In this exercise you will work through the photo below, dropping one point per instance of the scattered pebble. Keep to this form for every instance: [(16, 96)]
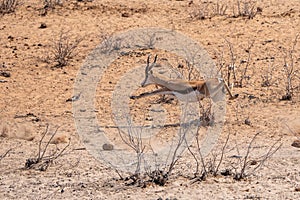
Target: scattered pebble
[(5, 74), (43, 25), (248, 122), (108, 147), (296, 144)]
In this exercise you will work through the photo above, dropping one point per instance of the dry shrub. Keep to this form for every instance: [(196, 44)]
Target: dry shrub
[(64, 48), (45, 157), (8, 6), (238, 8), (246, 8)]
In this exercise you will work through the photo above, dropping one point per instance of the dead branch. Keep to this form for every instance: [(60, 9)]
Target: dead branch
[(42, 161), (5, 154)]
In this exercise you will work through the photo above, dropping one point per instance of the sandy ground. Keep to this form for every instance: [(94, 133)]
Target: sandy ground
[(35, 95)]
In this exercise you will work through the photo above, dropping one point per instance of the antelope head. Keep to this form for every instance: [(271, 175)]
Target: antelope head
[(148, 72)]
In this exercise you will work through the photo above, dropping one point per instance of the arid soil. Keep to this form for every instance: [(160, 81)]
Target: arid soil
[(34, 95)]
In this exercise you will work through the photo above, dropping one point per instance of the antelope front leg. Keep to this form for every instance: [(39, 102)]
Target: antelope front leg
[(229, 92), (155, 92)]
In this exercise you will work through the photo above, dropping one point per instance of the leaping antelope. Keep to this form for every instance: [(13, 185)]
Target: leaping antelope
[(184, 90)]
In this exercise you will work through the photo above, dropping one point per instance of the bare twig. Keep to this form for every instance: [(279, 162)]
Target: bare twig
[(222, 156), (290, 70), (238, 71), (245, 170), (242, 174), (42, 161), (246, 8), (5, 154), (245, 69)]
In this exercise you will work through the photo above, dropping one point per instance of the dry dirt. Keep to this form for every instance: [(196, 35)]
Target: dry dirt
[(35, 95)]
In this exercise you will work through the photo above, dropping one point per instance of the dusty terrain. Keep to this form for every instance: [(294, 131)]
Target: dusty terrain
[(36, 92)]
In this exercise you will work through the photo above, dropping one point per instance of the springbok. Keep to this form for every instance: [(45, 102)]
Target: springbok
[(184, 90)]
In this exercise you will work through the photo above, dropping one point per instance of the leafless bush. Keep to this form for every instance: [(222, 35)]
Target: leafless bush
[(188, 71), (239, 167), (247, 165), (8, 6), (267, 76), (43, 161), (200, 11), (291, 72), (205, 10), (134, 140), (240, 8), (220, 8), (50, 4), (110, 44), (161, 172), (268, 79), (246, 8), (210, 165), (207, 116), (64, 49), (236, 68)]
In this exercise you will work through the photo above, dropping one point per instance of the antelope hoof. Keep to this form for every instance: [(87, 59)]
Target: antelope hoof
[(133, 97), (234, 97)]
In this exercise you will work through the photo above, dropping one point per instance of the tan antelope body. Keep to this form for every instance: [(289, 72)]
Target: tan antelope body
[(184, 90)]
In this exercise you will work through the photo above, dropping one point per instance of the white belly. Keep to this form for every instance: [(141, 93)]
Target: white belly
[(190, 97)]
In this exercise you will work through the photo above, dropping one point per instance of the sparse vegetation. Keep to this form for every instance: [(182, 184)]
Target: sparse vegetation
[(241, 165), (291, 71), (247, 165), (209, 165), (142, 176), (237, 8), (237, 166), (8, 6), (63, 49), (246, 8), (42, 161), (235, 68)]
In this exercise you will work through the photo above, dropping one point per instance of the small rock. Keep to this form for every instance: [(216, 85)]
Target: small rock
[(253, 162), (125, 14), (10, 38), (251, 97), (149, 119), (108, 147), (286, 97), (297, 189), (248, 122), (5, 74), (296, 144), (43, 25)]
